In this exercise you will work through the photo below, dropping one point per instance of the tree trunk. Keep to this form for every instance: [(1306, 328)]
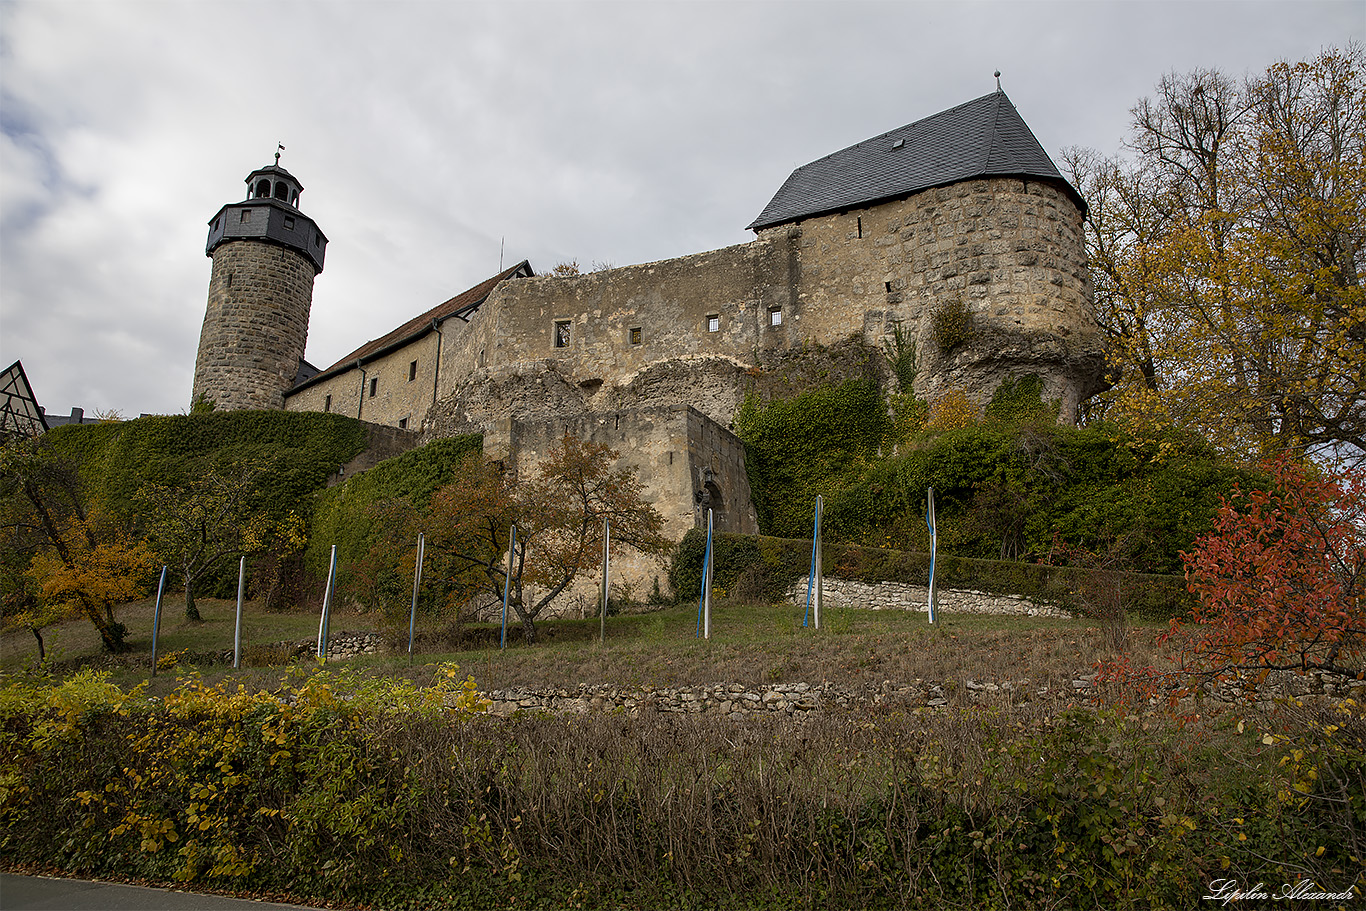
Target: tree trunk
[(42, 652), (111, 633), (528, 630), (191, 612)]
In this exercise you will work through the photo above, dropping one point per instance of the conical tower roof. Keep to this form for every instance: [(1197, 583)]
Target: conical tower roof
[(985, 137)]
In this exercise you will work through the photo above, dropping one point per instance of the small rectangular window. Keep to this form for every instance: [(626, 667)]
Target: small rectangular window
[(327, 403), (713, 323), (562, 334), (775, 316), (374, 385), (860, 226), (412, 371), (289, 223), (246, 216), (402, 423), (634, 335)]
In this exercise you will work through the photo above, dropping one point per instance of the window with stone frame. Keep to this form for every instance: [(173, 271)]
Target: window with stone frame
[(562, 333), (713, 322)]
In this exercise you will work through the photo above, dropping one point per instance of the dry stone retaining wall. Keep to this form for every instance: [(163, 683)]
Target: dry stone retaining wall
[(795, 700), (902, 596)]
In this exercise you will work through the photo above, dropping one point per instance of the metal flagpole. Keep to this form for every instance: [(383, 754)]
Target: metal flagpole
[(606, 576), (934, 541), (327, 603), (156, 619), (815, 580), (417, 581), (237, 628), (704, 600), (820, 573), (507, 587), (706, 581)]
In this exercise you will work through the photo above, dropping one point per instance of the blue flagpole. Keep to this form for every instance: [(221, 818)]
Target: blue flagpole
[(934, 541), (156, 620), (704, 600), (417, 582), (815, 556)]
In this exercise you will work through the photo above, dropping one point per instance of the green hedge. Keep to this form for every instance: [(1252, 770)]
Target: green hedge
[(764, 568)]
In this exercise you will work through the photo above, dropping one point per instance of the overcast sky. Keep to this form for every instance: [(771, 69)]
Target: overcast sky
[(427, 134)]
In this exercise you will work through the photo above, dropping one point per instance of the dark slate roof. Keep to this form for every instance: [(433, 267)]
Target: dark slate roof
[(979, 138), (462, 306)]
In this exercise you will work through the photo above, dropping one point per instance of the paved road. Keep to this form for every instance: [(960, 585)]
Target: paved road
[(47, 893)]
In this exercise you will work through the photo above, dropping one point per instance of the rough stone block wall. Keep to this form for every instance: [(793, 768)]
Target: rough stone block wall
[(717, 459), (900, 596), (255, 325), (1010, 250), (675, 451), (668, 302)]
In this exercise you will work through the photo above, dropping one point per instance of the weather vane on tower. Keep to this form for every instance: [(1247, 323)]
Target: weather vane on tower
[(280, 147)]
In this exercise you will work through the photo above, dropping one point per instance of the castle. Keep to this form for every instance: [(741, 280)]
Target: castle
[(961, 210)]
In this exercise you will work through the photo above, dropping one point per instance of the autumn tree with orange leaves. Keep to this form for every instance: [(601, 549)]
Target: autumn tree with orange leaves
[(558, 510)]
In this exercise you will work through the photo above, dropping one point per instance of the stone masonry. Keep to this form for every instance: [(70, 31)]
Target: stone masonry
[(255, 325)]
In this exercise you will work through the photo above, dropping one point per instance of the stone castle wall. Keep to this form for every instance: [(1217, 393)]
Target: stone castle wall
[(1012, 251), (676, 452), (255, 325)]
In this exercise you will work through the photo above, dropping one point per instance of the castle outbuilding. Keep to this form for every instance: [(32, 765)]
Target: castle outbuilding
[(959, 219)]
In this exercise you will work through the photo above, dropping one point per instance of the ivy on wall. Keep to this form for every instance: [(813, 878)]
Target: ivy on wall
[(303, 449), (814, 443), (346, 515)]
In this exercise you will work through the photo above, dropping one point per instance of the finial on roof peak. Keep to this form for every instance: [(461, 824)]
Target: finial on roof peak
[(280, 147), (998, 81)]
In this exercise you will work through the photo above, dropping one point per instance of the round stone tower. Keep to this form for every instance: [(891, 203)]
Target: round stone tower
[(266, 254)]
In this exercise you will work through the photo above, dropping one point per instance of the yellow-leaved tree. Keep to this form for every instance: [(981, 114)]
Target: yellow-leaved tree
[(1228, 254), (61, 559)]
